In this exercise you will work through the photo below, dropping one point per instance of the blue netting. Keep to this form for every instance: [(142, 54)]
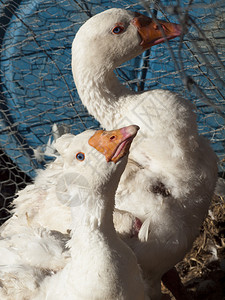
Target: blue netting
[(36, 84)]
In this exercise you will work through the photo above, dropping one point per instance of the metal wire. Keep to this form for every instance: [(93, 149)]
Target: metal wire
[(37, 89)]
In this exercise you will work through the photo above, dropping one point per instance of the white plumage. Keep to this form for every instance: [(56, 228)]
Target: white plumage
[(26, 258), (35, 264), (172, 171)]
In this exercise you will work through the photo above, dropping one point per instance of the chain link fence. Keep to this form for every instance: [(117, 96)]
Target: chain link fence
[(37, 91)]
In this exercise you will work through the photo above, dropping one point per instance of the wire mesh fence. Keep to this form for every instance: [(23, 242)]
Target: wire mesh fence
[(37, 88)]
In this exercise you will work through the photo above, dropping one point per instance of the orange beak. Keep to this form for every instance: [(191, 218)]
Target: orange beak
[(114, 144), (151, 33)]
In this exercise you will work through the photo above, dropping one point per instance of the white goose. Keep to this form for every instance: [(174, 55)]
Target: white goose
[(37, 207), (171, 175), (172, 171), (101, 265)]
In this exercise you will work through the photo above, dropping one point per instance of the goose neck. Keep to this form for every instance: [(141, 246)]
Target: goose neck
[(102, 93), (96, 214)]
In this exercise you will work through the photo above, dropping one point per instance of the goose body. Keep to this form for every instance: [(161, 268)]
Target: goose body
[(172, 171), (99, 265)]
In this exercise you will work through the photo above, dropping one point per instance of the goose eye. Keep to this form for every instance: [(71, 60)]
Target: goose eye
[(80, 156), (118, 29)]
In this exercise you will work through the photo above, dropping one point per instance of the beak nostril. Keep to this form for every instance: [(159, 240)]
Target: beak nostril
[(153, 32)]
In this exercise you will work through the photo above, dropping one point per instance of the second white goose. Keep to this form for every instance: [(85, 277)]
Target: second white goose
[(101, 266)]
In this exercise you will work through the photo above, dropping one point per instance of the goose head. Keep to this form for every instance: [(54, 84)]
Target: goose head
[(103, 43), (90, 161), (114, 36)]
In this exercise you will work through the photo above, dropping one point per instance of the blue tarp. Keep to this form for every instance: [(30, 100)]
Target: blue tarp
[(36, 84)]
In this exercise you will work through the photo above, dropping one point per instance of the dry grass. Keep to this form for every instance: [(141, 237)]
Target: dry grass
[(203, 269)]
